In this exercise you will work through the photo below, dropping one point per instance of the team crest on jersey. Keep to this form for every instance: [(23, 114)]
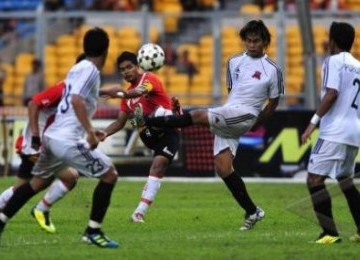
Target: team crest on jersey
[(257, 75)]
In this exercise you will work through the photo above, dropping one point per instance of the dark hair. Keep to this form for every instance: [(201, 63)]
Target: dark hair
[(80, 57), (126, 56), (37, 63), (257, 27), (343, 34), (96, 42)]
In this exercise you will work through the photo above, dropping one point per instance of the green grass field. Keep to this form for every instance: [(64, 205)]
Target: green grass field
[(187, 221)]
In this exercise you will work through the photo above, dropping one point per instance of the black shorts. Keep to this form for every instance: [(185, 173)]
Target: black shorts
[(26, 166), (162, 142)]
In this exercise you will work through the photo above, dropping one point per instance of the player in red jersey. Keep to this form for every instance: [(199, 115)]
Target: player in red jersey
[(147, 90), (41, 112)]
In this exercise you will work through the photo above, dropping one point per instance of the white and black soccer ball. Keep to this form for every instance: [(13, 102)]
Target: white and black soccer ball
[(150, 57)]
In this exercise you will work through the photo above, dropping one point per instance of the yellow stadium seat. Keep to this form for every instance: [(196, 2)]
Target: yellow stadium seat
[(250, 9), (154, 34), (127, 32)]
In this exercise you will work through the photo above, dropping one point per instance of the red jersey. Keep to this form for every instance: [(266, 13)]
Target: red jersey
[(47, 101), (155, 97)]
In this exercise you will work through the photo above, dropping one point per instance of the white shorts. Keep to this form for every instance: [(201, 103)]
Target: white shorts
[(332, 159), (230, 121), (56, 155), (220, 144)]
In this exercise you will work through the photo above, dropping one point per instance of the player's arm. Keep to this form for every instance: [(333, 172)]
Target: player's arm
[(79, 105), (267, 112), (110, 91), (116, 125), (145, 87), (33, 113), (326, 103), (134, 93)]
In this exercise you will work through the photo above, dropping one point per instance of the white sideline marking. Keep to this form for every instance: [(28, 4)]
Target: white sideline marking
[(217, 179)]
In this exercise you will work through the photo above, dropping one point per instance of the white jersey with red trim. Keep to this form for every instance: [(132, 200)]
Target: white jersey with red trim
[(252, 81)]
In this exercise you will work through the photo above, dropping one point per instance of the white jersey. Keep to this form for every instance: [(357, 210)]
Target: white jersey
[(83, 79), (341, 124), (252, 81)]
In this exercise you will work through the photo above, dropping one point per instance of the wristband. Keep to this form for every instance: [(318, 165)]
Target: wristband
[(315, 119)]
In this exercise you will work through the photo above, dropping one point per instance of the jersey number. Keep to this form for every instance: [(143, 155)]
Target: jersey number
[(66, 96)]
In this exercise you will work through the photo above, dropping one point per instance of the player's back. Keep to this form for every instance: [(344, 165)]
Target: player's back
[(342, 122), (83, 80)]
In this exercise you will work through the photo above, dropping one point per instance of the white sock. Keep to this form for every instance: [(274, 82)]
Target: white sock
[(94, 224), (5, 196), (56, 191), (148, 195), (3, 218)]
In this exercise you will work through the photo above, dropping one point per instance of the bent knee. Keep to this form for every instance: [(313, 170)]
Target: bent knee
[(314, 180), (110, 176)]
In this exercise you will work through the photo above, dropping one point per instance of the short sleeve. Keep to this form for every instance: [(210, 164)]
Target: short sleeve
[(277, 87), (331, 75)]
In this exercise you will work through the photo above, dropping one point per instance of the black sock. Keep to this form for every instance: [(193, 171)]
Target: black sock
[(321, 201), (90, 230), (169, 121), (353, 199), (237, 187), (21, 195), (101, 201)]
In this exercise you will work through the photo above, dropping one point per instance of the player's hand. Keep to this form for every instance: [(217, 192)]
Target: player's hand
[(92, 140), (101, 135), (35, 142), (175, 106), (111, 92), (307, 133)]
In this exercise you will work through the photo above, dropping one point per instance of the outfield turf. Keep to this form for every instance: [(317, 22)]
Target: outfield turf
[(187, 221)]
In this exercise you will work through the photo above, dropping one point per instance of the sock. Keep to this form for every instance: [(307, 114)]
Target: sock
[(56, 191), (5, 196), (237, 187), (321, 200), (353, 199), (169, 121), (101, 201), (21, 195), (150, 190)]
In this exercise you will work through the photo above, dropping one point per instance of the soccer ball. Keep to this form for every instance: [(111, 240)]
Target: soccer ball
[(151, 57)]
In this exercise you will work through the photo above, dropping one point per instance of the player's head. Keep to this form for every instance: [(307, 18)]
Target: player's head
[(127, 65), (342, 36), (96, 43), (256, 37)]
